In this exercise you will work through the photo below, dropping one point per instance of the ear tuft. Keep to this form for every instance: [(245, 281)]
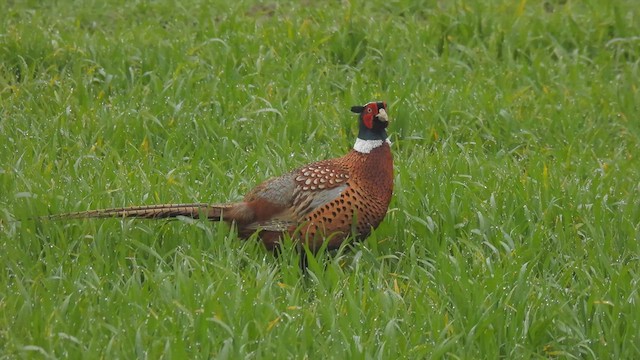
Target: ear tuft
[(357, 109)]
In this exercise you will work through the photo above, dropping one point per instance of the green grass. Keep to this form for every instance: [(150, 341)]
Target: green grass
[(515, 225)]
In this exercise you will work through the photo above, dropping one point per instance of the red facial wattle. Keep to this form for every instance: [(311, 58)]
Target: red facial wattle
[(369, 112), (367, 119)]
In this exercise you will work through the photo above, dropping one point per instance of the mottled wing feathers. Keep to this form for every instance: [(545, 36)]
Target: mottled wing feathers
[(321, 175), (297, 194)]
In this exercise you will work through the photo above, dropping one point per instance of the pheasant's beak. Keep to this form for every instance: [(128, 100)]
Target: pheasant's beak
[(382, 116)]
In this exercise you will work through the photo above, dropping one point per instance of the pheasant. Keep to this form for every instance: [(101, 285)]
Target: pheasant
[(325, 201)]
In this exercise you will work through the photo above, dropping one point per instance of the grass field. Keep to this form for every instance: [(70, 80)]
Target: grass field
[(515, 225)]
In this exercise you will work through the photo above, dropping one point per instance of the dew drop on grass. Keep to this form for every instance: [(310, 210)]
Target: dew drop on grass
[(23, 194)]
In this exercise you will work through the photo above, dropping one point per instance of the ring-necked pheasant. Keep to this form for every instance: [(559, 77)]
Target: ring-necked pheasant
[(323, 201)]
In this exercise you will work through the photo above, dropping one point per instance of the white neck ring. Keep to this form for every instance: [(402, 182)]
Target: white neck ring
[(366, 146)]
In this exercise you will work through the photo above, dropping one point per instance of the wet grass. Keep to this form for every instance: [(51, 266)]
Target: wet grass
[(513, 232)]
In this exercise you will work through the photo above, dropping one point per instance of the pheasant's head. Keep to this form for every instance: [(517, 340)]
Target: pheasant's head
[(373, 120)]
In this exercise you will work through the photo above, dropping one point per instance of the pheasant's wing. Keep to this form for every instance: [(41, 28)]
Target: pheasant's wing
[(298, 193), (318, 184)]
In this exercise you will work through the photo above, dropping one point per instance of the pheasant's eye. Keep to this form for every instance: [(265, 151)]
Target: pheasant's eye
[(369, 110)]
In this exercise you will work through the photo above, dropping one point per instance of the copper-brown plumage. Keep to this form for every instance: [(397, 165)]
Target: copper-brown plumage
[(323, 201)]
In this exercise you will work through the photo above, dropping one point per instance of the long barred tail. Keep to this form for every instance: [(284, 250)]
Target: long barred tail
[(196, 211)]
